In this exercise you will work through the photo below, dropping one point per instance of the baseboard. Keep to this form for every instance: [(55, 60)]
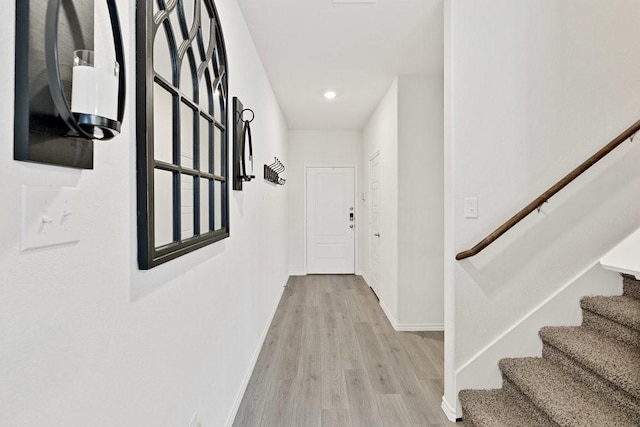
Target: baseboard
[(386, 311), (364, 276), (410, 327), (252, 365), (418, 327), (448, 410)]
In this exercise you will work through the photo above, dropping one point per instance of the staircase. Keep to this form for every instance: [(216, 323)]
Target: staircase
[(588, 375)]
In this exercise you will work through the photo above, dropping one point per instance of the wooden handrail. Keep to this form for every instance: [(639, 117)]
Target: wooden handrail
[(538, 202)]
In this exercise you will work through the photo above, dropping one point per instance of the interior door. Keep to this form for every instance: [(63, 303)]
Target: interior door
[(331, 220), (374, 222)]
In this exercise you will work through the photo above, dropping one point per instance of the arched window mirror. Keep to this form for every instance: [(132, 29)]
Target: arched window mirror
[(182, 129)]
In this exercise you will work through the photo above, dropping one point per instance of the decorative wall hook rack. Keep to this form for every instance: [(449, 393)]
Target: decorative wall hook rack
[(272, 172), (242, 139)]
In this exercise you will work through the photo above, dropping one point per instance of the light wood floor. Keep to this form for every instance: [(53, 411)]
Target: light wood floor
[(331, 358)]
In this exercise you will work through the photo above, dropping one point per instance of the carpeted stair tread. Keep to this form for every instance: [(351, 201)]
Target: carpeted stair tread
[(493, 408), (624, 310), (605, 389), (606, 357), (562, 398), (611, 328), (631, 286)]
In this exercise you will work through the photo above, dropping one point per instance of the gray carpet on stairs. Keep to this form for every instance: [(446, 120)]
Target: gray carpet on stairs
[(611, 329), (589, 376), (603, 356), (622, 309), (482, 405), (631, 286)]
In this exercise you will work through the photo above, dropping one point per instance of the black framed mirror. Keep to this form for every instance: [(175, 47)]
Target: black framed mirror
[(182, 135)]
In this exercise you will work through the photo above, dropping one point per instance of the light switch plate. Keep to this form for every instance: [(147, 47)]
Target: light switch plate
[(471, 207), (48, 216)]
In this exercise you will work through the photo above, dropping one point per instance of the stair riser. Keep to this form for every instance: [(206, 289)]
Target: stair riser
[(468, 416), (525, 403), (611, 328), (631, 286), (493, 408), (468, 422), (610, 391)]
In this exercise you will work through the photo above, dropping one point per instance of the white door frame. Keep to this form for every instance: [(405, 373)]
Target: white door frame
[(355, 207), (373, 155)]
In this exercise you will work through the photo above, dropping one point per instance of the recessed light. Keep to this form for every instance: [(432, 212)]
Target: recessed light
[(330, 94)]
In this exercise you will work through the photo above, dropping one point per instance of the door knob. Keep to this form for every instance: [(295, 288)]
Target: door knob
[(377, 234)]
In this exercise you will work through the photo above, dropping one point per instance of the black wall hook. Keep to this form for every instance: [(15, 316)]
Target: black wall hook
[(241, 117)]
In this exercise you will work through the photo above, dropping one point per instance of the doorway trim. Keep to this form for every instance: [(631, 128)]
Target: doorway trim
[(373, 155), (356, 209)]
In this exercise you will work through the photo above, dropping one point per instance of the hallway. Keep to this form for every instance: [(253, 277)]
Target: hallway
[(331, 358)]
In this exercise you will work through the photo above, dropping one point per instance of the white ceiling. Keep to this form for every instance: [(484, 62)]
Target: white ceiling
[(310, 46)]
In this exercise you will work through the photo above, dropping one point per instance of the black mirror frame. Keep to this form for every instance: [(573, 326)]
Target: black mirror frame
[(147, 25)]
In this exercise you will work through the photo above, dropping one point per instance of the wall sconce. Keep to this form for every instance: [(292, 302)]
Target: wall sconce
[(98, 95), (241, 140), (49, 129)]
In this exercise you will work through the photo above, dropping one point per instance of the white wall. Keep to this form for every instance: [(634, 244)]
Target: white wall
[(315, 148), (407, 129), (535, 88), (623, 257), (381, 134), (87, 338), (420, 198), (449, 400)]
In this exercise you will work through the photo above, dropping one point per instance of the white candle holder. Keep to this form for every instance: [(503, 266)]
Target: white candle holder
[(94, 90), (98, 94)]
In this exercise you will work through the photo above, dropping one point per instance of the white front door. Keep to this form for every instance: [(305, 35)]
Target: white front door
[(331, 220), (374, 222)]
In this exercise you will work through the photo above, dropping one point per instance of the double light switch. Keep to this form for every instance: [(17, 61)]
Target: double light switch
[(48, 216)]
